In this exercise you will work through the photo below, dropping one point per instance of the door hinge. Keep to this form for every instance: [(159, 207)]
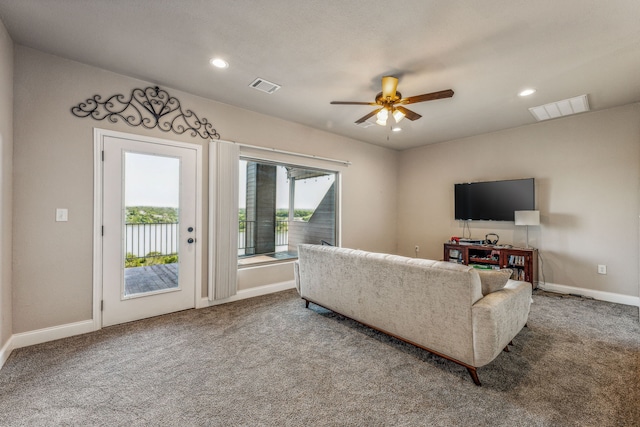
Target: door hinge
[(101, 305), (103, 155), (102, 231)]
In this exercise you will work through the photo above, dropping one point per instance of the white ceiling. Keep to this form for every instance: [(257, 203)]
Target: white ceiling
[(321, 51)]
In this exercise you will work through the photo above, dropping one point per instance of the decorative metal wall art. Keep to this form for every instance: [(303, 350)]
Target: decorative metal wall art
[(151, 107)]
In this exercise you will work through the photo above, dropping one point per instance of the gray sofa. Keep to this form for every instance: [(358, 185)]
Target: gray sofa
[(437, 306)]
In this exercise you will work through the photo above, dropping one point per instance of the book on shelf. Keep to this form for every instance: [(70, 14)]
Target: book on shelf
[(516, 260)]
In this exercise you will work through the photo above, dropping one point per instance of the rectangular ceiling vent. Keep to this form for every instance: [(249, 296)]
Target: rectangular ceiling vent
[(566, 107), (264, 86)]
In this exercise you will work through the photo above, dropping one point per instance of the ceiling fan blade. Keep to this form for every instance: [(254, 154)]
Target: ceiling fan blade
[(427, 97), (365, 118), (352, 103), (389, 86), (411, 115)]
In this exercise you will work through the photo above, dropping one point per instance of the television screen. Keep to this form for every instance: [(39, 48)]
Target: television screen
[(494, 200)]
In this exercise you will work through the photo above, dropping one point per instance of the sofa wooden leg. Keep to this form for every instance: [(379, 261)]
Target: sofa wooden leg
[(474, 375), (306, 303), (511, 342), (506, 349)]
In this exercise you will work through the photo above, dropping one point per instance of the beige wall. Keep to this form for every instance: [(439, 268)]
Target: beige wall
[(586, 168), (53, 168), (587, 172), (6, 160)]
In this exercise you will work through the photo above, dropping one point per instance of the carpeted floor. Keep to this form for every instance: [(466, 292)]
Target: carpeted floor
[(268, 361)]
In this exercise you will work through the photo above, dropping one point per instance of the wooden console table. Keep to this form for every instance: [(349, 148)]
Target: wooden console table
[(523, 262)]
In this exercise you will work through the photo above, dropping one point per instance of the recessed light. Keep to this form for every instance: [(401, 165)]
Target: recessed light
[(396, 129), (527, 92), (219, 63)]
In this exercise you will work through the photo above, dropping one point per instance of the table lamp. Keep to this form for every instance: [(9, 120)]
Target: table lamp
[(527, 218)]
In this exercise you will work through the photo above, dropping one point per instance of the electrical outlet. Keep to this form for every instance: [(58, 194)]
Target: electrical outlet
[(602, 269), (417, 249)]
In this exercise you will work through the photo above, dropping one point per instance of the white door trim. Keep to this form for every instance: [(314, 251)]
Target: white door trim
[(98, 135)]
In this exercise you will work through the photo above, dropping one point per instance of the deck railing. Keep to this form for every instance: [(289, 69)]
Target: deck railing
[(282, 232), (247, 229), (153, 243)]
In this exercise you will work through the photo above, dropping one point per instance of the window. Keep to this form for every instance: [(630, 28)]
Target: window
[(283, 205)]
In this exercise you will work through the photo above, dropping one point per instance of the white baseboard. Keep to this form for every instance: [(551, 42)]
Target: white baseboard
[(251, 292), (599, 295), (25, 339), (39, 336), (5, 351)]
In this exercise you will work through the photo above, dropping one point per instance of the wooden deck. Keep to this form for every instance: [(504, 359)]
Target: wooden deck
[(139, 280), (150, 278)]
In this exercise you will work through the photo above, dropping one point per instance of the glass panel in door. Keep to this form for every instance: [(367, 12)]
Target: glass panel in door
[(151, 223)]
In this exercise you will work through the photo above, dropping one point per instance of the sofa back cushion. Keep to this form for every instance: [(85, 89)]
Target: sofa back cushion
[(423, 301)]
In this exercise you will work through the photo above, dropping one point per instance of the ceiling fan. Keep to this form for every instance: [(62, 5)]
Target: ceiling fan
[(390, 102)]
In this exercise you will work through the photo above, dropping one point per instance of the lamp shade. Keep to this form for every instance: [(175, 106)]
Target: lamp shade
[(382, 116), (527, 217), (398, 115)]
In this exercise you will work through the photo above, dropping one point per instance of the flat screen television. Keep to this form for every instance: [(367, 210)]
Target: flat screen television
[(493, 200)]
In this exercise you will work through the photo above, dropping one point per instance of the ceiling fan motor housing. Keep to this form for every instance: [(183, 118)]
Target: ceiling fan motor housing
[(382, 101)]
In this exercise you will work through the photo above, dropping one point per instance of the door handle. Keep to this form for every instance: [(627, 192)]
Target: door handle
[(190, 229), (191, 240)]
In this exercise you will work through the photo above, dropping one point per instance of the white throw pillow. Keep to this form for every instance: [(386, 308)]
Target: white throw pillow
[(494, 280)]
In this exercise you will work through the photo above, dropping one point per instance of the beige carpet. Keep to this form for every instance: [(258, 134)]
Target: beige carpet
[(269, 361)]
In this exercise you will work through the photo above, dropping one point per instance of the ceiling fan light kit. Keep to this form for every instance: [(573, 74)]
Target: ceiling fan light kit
[(382, 116), (390, 101), (398, 115)]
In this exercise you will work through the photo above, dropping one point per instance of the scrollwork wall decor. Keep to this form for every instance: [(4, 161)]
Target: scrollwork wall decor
[(150, 107)]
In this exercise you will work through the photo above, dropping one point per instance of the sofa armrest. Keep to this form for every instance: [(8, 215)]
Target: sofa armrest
[(497, 319), (296, 274)]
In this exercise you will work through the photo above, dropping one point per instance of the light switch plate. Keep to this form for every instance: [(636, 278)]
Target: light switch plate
[(62, 215)]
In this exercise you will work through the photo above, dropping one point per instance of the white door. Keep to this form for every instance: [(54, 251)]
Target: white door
[(148, 236)]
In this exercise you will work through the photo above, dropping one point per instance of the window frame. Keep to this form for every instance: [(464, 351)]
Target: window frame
[(320, 166)]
